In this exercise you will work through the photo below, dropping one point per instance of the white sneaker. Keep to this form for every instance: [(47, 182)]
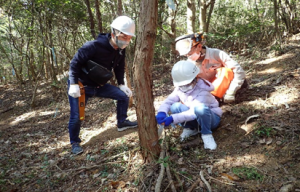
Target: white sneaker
[(187, 133), (209, 142)]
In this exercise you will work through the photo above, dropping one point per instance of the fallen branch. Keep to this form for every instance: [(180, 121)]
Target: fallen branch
[(7, 110), (194, 185), (80, 168), (204, 180), (171, 182), (162, 172), (221, 181)]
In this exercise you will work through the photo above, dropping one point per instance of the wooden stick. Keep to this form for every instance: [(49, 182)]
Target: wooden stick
[(170, 177), (204, 180), (162, 171), (194, 185)]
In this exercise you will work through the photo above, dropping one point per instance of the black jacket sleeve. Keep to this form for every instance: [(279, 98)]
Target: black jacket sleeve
[(80, 58)]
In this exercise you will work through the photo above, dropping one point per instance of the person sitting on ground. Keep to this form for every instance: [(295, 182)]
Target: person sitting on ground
[(191, 104), (216, 66), (90, 70)]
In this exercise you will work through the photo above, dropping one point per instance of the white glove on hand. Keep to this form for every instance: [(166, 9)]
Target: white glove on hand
[(229, 98), (126, 90), (74, 91)]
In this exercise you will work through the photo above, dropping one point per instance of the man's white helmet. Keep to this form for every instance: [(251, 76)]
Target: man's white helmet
[(184, 72), (124, 24)]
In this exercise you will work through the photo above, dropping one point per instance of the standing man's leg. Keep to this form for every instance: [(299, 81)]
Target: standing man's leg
[(113, 92), (74, 124)]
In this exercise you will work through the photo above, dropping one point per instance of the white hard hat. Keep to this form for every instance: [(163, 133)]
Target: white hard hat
[(184, 43), (124, 24), (184, 46), (184, 72)]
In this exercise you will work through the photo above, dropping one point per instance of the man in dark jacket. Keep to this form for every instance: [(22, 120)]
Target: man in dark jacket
[(108, 50)]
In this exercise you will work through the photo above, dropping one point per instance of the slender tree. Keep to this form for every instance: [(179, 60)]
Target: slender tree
[(92, 22), (143, 80), (191, 12)]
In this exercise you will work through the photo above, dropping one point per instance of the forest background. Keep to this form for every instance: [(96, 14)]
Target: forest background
[(38, 39)]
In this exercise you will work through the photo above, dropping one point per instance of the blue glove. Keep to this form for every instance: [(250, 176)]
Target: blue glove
[(168, 120), (160, 117)]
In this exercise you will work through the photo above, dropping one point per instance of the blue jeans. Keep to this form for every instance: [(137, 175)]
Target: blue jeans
[(206, 119), (106, 91)]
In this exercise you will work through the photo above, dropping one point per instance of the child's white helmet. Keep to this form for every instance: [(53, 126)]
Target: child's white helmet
[(184, 72)]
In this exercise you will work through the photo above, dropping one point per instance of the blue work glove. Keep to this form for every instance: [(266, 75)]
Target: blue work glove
[(168, 120), (160, 117)]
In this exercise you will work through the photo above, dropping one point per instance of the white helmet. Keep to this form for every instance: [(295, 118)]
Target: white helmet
[(124, 24), (184, 72), (184, 43)]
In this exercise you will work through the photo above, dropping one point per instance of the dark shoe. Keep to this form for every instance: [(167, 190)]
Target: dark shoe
[(76, 148), (126, 125)]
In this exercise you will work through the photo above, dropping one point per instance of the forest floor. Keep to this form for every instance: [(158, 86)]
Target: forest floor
[(258, 138)]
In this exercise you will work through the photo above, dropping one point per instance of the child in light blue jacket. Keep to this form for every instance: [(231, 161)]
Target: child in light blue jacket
[(191, 104)]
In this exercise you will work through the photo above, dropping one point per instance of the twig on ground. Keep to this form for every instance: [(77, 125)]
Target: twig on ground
[(221, 181), (194, 185), (170, 177), (80, 169), (98, 162), (204, 180), (6, 110), (167, 187), (162, 171), (143, 184), (186, 177)]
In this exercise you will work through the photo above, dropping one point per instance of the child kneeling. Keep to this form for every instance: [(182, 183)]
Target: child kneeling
[(191, 104)]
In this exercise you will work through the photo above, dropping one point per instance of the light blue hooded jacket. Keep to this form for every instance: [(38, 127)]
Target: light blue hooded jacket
[(200, 94)]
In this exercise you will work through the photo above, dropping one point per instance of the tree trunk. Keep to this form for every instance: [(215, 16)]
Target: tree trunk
[(92, 23), (203, 17), (120, 10), (148, 133), (172, 35), (99, 17), (277, 33), (211, 8), (191, 10)]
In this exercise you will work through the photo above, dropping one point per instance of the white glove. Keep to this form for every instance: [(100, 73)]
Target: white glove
[(126, 90), (229, 98), (74, 91)]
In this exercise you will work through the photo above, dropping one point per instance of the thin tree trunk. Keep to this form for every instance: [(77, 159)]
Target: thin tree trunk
[(276, 21), (211, 8), (99, 17), (120, 10), (92, 23), (148, 133), (191, 10), (202, 15)]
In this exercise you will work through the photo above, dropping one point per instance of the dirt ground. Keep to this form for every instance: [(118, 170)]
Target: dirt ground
[(258, 138)]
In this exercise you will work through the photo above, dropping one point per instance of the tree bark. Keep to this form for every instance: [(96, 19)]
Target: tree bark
[(92, 23), (99, 17), (203, 17), (148, 133), (211, 8), (191, 10), (120, 10)]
